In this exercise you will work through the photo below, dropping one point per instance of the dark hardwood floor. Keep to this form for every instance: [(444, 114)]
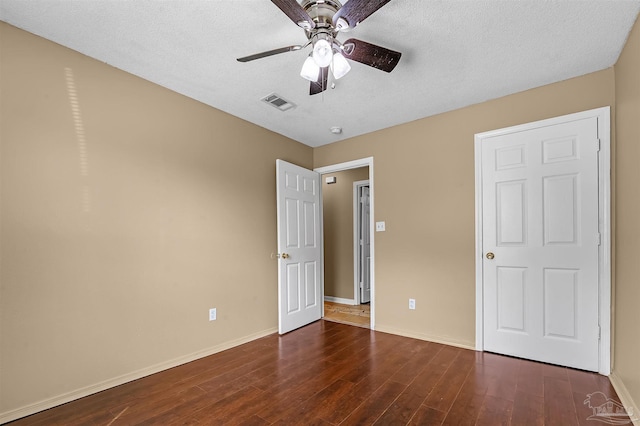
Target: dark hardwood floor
[(328, 374)]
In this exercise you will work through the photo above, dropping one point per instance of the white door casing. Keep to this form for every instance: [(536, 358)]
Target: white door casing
[(300, 289), (542, 211)]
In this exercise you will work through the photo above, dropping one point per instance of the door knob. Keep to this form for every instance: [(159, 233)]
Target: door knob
[(284, 256), (490, 256)]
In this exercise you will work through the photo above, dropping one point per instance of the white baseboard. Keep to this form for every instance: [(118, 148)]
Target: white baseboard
[(625, 398), (125, 378), (340, 300), (427, 337)]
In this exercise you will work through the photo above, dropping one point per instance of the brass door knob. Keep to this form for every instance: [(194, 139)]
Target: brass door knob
[(284, 256), (490, 256)]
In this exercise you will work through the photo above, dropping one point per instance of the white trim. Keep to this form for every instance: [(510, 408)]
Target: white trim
[(45, 404), (625, 397), (604, 251), (356, 238), (321, 246), (340, 300), (479, 271), (604, 165), (348, 165), (363, 162)]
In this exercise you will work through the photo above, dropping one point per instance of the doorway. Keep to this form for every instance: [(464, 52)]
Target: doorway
[(341, 272), (345, 213)]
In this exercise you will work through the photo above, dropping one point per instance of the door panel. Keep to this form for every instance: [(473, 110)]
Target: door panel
[(291, 223), (312, 290), (512, 213), (560, 199), (540, 220), (293, 286), (310, 224), (561, 288), (511, 283), (299, 271)]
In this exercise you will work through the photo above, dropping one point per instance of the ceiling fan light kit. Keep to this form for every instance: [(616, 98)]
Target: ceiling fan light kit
[(310, 69), (322, 53), (339, 66), (322, 20)]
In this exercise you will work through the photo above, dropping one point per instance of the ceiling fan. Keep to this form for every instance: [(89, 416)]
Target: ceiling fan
[(322, 20)]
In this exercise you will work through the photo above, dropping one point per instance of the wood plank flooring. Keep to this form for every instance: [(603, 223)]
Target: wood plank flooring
[(334, 374), (358, 315)]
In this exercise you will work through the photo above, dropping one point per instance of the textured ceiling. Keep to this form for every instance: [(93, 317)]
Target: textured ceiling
[(455, 53)]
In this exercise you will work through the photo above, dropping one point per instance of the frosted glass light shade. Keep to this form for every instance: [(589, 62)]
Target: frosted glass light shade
[(339, 66), (310, 70), (322, 53)]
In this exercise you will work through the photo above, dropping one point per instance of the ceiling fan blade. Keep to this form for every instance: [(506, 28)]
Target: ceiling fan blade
[(296, 13), (320, 85), (369, 54), (268, 53), (356, 11)]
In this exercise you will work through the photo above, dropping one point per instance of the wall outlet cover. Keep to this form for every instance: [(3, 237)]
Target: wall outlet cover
[(380, 226), (212, 314)]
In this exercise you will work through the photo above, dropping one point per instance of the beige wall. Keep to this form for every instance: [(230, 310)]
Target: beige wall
[(424, 190), (337, 204), (627, 217), (123, 224)]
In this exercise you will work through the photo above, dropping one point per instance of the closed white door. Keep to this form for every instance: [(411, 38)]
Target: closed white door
[(365, 246), (540, 238), (299, 246)]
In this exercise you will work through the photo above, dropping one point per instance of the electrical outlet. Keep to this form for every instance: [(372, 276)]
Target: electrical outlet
[(412, 303), (212, 314), (380, 226)]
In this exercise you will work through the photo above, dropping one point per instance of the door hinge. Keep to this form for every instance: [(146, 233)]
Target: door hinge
[(599, 238), (598, 332), (597, 144)]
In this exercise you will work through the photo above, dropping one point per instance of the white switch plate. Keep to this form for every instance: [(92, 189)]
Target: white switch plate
[(379, 226), (412, 303), (212, 314)]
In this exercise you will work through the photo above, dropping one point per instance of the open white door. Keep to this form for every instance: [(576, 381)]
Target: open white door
[(541, 240), (299, 246)]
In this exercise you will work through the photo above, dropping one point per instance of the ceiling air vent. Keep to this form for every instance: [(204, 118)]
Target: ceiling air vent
[(278, 102)]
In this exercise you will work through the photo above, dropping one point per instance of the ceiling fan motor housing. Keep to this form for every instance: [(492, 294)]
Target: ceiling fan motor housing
[(321, 12)]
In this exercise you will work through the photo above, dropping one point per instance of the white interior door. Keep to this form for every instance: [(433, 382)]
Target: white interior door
[(365, 246), (299, 246), (540, 234)]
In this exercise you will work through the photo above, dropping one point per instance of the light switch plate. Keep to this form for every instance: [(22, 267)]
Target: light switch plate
[(380, 226)]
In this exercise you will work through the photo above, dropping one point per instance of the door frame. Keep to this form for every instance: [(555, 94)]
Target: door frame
[(356, 240), (604, 206), (362, 162)]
